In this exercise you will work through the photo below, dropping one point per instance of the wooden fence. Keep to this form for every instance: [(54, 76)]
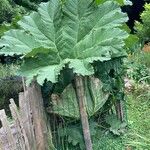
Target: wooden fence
[(29, 128)]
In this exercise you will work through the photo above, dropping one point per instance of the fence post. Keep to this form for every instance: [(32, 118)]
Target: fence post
[(30, 129), (83, 113), (11, 144), (41, 125)]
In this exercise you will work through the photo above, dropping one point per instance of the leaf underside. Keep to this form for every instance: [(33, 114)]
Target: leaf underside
[(67, 104), (74, 33)]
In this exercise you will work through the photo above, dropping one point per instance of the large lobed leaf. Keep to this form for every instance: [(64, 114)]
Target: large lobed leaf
[(74, 32), (66, 104)]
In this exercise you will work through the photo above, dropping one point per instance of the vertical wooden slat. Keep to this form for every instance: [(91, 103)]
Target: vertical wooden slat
[(7, 131), (30, 130), (1, 143), (23, 142), (39, 117), (119, 110), (26, 115)]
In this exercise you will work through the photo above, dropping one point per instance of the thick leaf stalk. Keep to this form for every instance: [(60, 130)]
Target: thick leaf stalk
[(119, 110), (83, 113)]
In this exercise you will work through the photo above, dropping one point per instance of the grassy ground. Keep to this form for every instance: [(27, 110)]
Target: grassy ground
[(138, 103), (137, 136)]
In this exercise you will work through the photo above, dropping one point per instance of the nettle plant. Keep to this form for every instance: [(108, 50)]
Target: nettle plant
[(78, 35)]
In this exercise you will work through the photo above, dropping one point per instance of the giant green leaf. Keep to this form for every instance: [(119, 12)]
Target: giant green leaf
[(74, 33), (66, 104)]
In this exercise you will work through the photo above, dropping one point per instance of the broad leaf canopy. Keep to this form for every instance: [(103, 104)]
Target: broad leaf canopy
[(74, 33)]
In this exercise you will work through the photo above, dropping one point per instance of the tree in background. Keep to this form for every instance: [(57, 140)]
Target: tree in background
[(11, 8), (143, 29), (6, 12)]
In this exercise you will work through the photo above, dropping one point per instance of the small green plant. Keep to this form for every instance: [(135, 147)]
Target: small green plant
[(74, 136), (137, 67), (115, 125), (138, 72)]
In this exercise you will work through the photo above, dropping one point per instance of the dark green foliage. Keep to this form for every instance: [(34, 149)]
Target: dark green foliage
[(137, 67), (9, 88), (143, 29), (9, 10), (109, 72), (73, 135), (138, 71), (6, 11), (115, 125), (10, 13), (112, 73), (29, 4)]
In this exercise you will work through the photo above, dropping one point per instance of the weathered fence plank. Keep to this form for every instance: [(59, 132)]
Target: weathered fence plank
[(39, 117), (30, 129), (26, 114), (11, 143), (22, 142)]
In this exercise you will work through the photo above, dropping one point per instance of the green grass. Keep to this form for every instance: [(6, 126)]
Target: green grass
[(137, 136), (107, 141), (146, 58)]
